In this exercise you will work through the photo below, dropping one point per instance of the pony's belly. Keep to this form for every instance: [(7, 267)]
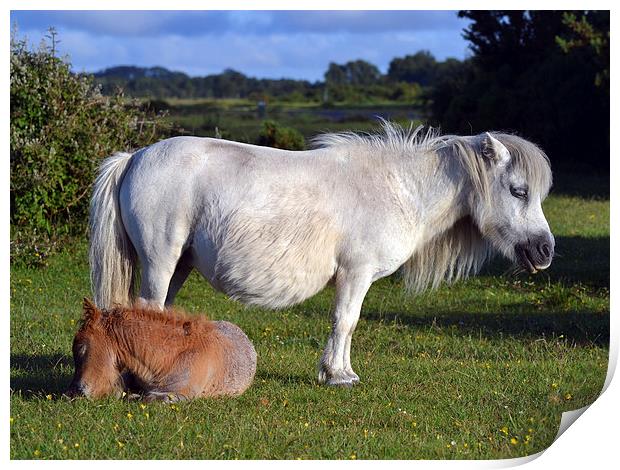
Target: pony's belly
[(266, 264), (277, 287)]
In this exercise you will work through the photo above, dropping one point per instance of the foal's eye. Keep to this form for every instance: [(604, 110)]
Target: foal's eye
[(81, 350), (520, 193)]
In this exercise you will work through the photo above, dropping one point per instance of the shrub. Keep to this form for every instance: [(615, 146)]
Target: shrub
[(274, 135), (61, 126)]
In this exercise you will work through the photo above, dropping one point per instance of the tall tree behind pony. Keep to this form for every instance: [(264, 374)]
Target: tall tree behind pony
[(519, 79)]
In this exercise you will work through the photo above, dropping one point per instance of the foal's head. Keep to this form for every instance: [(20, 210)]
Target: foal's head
[(96, 374)]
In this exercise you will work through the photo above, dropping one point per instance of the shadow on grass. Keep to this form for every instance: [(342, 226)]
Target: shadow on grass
[(578, 260), (583, 184), (33, 376), (584, 328), (582, 268)]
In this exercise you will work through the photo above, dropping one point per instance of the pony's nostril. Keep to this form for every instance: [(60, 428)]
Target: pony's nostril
[(545, 250)]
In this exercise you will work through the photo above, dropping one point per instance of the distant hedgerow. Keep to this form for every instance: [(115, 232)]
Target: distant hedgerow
[(61, 127), (274, 135)]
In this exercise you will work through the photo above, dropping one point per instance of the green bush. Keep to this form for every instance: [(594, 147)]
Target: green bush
[(274, 135), (61, 127)]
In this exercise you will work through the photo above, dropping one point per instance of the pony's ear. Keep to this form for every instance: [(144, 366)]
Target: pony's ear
[(91, 312), (494, 150)]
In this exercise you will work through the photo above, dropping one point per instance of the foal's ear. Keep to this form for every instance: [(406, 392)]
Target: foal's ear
[(91, 312), (494, 150)]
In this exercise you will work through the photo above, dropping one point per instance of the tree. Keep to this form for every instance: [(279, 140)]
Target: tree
[(61, 128), (418, 68), (590, 31), (520, 80), (358, 72)]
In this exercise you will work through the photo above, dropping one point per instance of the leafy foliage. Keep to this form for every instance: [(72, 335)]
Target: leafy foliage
[(418, 68), (61, 126), (591, 30), (358, 72), (274, 135), (520, 80)]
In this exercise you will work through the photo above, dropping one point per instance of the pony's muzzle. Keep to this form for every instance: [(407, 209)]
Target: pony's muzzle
[(537, 253)]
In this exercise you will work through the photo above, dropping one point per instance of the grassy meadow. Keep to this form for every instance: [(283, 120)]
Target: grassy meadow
[(479, 370)]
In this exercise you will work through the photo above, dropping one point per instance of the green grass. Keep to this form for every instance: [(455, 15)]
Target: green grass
[(479, 370)]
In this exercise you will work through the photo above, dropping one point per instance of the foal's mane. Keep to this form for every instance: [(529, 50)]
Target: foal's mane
[(171, 317)]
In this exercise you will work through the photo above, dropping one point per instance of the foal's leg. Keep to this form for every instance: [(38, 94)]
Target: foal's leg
[(335, 366), (166, 397)]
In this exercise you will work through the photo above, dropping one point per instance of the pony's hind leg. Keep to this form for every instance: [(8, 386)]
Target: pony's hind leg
[(154, 285), (335, 366), (183, 269), (159, 259), (159, 238)]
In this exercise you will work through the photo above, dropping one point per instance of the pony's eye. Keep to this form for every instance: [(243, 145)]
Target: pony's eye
[(520, 193)]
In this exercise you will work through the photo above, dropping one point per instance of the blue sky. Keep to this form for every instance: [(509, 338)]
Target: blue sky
[(273, 44)]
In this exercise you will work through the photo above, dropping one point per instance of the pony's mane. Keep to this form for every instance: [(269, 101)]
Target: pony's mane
[(470, 150), (526, 158), (394, 137), (454, 254), (461, 250)]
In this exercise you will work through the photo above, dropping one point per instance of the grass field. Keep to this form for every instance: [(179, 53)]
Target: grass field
[(479, 370)]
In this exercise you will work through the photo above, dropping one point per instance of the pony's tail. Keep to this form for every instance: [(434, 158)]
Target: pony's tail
[(112, 257)]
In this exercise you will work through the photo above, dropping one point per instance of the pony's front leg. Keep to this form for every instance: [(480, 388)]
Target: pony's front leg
[(335, 366)]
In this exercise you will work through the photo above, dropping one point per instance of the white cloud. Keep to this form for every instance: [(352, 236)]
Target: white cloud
[(268, 50)]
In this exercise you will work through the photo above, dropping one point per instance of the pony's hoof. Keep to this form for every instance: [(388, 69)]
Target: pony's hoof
[(341, 383), (341, 379), (354, 377)]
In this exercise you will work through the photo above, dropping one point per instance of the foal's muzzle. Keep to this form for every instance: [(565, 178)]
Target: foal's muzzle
[(75, 390), (536, 254)]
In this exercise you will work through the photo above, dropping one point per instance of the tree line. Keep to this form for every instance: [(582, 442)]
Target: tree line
[(356, 80)]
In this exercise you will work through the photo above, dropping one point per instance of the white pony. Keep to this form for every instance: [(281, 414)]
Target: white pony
[(272, 227)]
